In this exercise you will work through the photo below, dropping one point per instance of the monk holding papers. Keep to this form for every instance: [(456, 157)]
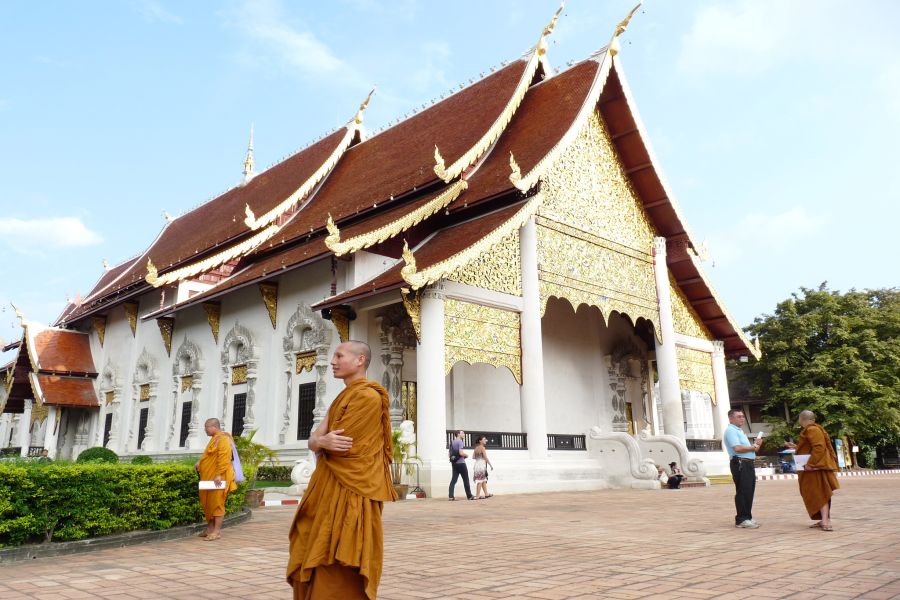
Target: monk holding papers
[(215, 466), (336, 540), (817, 478)]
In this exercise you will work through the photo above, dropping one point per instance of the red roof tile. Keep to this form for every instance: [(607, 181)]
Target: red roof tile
[(63, 351), (68, 391)]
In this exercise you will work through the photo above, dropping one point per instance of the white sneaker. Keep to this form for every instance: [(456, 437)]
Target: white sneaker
[(748, 524)]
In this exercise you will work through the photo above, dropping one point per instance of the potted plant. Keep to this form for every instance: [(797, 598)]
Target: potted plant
[(403, 439), (252, 454)]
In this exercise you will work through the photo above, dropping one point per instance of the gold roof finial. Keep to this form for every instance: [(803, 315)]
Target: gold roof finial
[(358, 119), (18, 314), (152, 274), (410, 260), (542, 43), (613, 47), (248, 162)]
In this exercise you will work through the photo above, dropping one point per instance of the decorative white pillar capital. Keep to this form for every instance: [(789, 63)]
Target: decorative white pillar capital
[(718, 351), (659, 247)]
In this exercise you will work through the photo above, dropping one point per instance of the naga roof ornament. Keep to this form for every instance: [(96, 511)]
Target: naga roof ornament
[(537, 58)]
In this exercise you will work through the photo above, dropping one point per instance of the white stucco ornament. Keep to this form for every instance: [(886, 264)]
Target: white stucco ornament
[(300, 475), (407, 433)]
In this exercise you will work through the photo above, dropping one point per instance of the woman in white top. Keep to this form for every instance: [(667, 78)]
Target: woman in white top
[(482, 462)]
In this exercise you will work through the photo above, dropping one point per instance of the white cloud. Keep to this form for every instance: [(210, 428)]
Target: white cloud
[(758, 232), (30, 236), (263, 24), (153, 11)]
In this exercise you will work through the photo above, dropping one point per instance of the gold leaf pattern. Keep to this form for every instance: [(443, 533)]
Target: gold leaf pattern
[(187, 382), (238, 374), (305, 361), (684, 317), (695, 371), (498, 270), (145, 391), (475, 333)]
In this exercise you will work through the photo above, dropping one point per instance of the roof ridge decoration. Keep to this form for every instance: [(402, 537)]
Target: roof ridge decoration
[(419, 279), (376, 236), (525, 182), (537, 57), (218, 259), (353, 128)]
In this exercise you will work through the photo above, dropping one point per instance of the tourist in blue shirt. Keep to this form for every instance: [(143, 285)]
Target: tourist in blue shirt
[(743, 471)]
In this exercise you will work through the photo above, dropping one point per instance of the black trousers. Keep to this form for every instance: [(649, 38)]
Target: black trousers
[(743, 474), (460, 470)]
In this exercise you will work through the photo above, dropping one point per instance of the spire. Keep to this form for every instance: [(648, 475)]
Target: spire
[(613, 47), (248, 162)]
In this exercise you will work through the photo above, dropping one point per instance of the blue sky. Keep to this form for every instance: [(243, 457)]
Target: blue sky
[(775, 122)]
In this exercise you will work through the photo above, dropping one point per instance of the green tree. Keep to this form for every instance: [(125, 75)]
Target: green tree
[(837, 355)]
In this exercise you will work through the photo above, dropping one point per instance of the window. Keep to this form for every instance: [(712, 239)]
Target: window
[(306, 402), (142, 426), (185, 423), (107, 427), (237, 414)]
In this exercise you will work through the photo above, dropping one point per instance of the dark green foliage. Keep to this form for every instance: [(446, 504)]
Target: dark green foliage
[(142, 459), (62, 502), (98, 454), (274, 473), (837, 355)]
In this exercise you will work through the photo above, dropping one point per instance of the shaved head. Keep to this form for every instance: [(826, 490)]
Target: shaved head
[(214, 422), (360, 349), (350, 360), (808, 416)]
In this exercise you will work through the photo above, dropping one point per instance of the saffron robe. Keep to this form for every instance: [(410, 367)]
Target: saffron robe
[(336, 540), (216, 460), (816, 486)]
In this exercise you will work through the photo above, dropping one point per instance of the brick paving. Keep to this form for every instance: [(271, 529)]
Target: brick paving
[(612, 544)]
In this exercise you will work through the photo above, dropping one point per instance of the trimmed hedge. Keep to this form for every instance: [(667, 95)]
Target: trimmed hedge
[(43, 502), (270, 473), (142, 459), (98, 454)]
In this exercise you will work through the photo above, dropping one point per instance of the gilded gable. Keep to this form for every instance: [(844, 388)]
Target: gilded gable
[(685, 319)]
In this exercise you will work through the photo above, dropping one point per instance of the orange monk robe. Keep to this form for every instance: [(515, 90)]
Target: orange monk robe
[(216, 460), (817, 486), (336, 540)]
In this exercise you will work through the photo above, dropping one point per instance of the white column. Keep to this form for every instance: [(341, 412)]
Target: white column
[(51, 432), (25, 428), (666, 360), (720, 379), (534, 405), (431, 398), (5, 424)]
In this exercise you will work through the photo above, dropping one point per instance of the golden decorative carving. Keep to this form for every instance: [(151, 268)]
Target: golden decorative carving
[(110, 396), (187, 382), (306, 361), (353, 128), (39, 412), (166, 328), (497, 270), (515, 170), (376, 236), (269, 293), (152, 273), (213, 314), (216, 260), (342, 324), (100, 327), (238, 374), (499, 125), (695, 371), (684, 317), (418, 279), (131, 313), (620, 29), (144, 391), (413, 305), (475, 333)]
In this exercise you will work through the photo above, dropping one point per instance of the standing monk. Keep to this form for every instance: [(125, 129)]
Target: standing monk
[(215, 465), (817, 479), (336, 540)]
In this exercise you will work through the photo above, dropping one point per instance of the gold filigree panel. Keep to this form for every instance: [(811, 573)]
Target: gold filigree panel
[(238, 374), (110, 396), (305, 361), (187, 382), (131, 313), (100, 328), (498, 270), (685, 319), (269, 293), (695, 371), (39, 413), (213, 315), (166, 328), (587, 269), (475, 333), (588, 189), (144, 391)]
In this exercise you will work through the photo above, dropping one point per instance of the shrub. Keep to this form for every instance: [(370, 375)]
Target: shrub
[(274, 473), (62, 502), (142, 459), (98, 454)]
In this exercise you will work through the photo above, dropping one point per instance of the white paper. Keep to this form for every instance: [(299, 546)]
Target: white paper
[(800, 461), (759, 435), (211, 485)]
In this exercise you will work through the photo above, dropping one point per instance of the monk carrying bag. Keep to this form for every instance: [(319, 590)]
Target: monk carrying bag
[(236, 463)]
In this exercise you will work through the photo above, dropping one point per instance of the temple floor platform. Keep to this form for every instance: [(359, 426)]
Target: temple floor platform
[(604, 544)]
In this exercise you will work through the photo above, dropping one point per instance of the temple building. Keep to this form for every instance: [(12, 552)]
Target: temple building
[(511, 253)]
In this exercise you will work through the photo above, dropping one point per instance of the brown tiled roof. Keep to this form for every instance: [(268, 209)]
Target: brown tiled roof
[(68, 391), (63, 351)]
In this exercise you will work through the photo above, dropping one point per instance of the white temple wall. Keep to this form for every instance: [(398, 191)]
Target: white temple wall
[(481, 397)]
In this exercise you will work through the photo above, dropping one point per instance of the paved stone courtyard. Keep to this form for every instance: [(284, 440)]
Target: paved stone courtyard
[(611, 544)]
